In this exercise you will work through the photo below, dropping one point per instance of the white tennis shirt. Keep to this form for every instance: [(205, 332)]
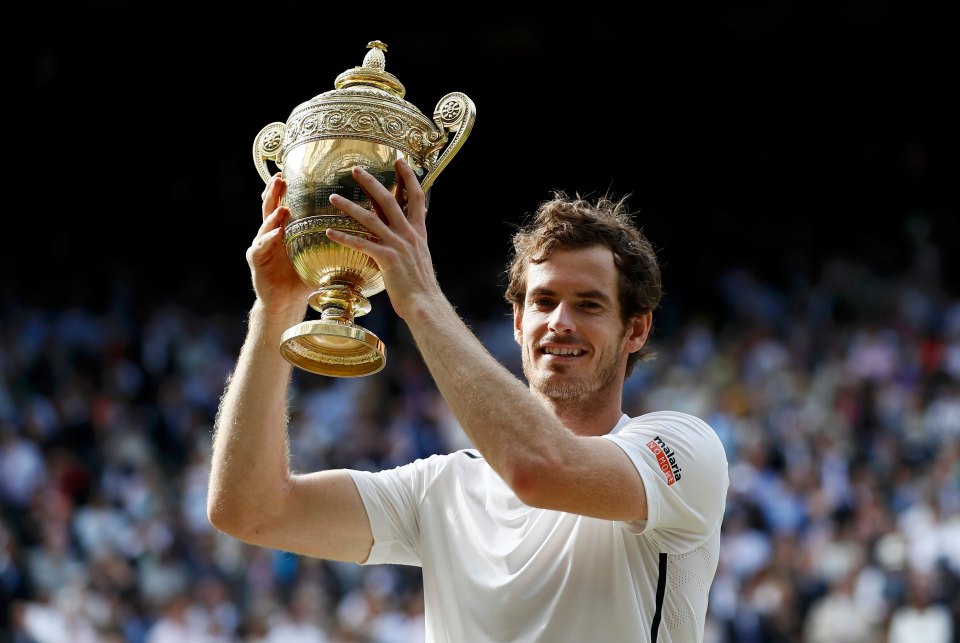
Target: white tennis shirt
[(495, 569)]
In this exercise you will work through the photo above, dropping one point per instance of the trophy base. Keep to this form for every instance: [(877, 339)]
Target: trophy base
[(335, 349)]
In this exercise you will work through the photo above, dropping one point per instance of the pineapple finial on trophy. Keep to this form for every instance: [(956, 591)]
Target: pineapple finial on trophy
[(375, 57)]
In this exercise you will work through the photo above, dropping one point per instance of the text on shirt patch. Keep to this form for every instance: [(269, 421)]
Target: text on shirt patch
[(666, 459)]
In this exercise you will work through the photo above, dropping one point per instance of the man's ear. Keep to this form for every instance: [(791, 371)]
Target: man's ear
[(518, 323), (638, 330)]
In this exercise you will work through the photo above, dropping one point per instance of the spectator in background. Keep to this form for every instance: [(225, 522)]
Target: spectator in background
[(837, 617), (920, 617)]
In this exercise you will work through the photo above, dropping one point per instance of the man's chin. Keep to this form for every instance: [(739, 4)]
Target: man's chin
[(560, 387), (553, 379)]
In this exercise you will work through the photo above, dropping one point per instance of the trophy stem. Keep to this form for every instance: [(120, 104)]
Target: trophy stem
[(333, 345), (335, 313), (339, 301)]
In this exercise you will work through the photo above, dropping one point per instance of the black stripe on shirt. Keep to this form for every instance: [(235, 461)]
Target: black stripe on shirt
[(661, 590)]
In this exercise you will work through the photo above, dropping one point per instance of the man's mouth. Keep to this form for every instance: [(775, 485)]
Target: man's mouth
[(561, 350)]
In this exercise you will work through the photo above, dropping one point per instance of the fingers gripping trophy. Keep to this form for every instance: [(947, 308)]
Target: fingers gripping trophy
[(363, 121)]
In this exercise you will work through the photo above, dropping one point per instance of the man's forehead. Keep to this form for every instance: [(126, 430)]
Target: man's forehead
[(586, 272)]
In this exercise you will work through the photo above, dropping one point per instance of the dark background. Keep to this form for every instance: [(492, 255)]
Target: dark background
[(766, 135)]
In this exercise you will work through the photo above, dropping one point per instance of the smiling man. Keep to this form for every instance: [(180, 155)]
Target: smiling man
[(569, 521)]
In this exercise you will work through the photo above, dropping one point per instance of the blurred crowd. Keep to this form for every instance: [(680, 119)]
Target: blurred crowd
[(837, 396)]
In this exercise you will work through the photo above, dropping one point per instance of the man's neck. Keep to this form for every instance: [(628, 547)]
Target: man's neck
[(591, 417)]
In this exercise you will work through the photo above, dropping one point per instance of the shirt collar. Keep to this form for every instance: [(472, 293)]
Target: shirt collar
[(624, 420)]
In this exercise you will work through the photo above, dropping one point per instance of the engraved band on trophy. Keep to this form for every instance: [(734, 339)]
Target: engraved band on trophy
[(363, 121)]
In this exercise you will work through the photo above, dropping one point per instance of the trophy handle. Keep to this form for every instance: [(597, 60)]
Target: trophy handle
[(455, 112), (266, 147)]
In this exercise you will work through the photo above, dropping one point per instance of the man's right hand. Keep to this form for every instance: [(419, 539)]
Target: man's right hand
[(275, 281)]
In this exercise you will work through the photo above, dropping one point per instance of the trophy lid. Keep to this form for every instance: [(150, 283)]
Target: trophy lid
[(367, 107), (372, 72)]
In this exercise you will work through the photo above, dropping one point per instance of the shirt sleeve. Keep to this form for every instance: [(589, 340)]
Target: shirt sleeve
[(685, 474), (392, 504)]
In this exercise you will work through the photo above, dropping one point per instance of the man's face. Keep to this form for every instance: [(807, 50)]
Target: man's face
[(572, 336)]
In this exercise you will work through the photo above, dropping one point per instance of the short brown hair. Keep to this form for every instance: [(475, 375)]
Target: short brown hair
[(569, 223)]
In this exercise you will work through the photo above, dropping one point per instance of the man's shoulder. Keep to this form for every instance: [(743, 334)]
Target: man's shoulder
[(678, 419), (445, 463), (684, 426)]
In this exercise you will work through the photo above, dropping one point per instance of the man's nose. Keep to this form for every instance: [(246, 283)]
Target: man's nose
[(561, 319)]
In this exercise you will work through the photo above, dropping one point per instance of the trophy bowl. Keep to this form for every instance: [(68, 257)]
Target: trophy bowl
[(363, 121)]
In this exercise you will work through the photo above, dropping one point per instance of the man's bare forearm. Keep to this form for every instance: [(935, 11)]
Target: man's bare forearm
[(249, 473)]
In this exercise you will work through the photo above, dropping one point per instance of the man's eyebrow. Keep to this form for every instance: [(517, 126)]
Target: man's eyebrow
[(583, 294), (541, 291), (593, 294)]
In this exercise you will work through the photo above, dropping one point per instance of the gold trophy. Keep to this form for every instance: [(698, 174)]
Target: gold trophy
[(364, 121)]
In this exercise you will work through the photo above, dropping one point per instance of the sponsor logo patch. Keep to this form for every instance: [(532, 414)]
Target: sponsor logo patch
[(666, 459)]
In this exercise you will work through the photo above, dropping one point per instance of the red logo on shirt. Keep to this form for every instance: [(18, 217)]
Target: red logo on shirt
[(666, 459)]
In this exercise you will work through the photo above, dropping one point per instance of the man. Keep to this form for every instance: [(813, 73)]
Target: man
[(569, 521)]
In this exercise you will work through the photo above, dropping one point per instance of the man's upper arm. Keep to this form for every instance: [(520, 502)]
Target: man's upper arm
[(322, 516), (684, 468), (596, 479)]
